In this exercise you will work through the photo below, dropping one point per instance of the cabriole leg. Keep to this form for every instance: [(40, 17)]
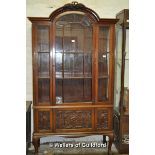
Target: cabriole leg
[(36, 143), (111, 139)]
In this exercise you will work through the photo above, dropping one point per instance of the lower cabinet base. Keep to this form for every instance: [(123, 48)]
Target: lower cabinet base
[(37, 136)]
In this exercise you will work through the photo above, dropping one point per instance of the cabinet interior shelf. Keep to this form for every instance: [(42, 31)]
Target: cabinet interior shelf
[(103, 77), (82, 77), (43, 52), (43, 77), (75, 52), (73, 77)]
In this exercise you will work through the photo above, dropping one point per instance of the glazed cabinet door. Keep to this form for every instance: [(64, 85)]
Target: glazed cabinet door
[(73, 71), (105, 65), (41, 64)]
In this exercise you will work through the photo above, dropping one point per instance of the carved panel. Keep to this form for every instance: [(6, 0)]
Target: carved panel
[(71, 119), (44, 120), (102, 119)]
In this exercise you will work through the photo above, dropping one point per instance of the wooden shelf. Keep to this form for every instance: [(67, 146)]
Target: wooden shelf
[(75, 52), (74, 77), (43, 52), (103, 76), (43, 77)]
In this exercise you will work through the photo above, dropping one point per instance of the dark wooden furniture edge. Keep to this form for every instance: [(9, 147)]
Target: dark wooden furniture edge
[(123, 20), (28, 124)]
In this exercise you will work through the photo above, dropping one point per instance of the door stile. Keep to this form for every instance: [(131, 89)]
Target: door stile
[(95, 65)]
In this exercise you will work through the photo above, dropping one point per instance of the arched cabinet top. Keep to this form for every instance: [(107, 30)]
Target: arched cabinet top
[(73, 7)]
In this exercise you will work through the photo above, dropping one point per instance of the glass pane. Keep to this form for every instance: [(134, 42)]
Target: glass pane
[(59, 90), (87, 64), (102, 89), (73, 50), (43, 90), (43, 64), (88, 40), (73, 65), (43, 38), (59, 69), (118, 67), (59, 42), (103, 63), (126, 75), (87, 88), (73, 90)]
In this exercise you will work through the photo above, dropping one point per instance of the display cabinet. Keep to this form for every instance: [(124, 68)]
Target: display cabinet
[(73, 73), (121, 112)]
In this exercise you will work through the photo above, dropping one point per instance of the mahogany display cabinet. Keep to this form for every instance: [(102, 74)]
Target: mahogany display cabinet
[(73, 73), (121, 105)]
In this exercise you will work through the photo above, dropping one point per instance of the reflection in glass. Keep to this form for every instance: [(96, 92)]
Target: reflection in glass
[(43, 38), (103, 63), (43, 64), (118, 66), (73, 52), (43, 90), (126, 73)]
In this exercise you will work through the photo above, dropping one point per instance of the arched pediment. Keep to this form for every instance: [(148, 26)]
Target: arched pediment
[(75, 6)]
